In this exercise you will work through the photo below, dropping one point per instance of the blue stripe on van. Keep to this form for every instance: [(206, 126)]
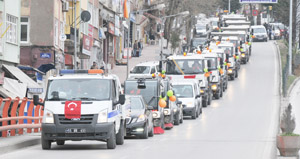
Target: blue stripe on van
[(112, 114)]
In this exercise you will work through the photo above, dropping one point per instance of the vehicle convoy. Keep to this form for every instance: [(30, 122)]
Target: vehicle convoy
[(188, 92), (191, 67), (144, 69), (151, 90), (83, 105), (139, 120), (216, 81)]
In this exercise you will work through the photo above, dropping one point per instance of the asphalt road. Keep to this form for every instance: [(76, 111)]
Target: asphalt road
[(241, 125)]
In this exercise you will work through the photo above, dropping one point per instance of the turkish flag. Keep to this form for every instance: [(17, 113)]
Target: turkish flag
[(72, 109)]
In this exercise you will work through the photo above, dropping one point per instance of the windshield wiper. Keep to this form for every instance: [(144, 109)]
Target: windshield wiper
[(85, 98), (57, 99)]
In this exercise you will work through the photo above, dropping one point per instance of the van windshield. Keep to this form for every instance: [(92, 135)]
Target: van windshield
[(187, 66), (131, 88), (227, 50), (183, 91), (141, 70), (259, 30), (78, 89)]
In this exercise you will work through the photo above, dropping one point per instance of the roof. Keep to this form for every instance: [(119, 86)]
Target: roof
[(191, 56), (257, 26), (82, 76), (148, 63), (184, 81), (21, 76)]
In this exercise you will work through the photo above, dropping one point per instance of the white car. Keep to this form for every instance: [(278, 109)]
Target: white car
[(188, 92), (144, 70), (259, 32)]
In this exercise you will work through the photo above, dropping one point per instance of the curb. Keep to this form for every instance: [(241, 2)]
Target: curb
[(18, 142), (295, 82)]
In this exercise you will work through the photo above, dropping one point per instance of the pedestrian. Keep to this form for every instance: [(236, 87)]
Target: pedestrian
[(135, 48), (140, 46), (94, 66)]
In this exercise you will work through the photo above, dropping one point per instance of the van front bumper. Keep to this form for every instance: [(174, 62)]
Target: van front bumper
[(189, 111), (91, 131)]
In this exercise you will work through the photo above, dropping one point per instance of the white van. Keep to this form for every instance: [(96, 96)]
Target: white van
[(83, 105), (188, 92), (259, 32)]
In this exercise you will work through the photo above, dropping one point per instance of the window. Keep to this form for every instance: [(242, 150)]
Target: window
[(24, 29), (56, 32), (90, 9), (62, 33), (152, 70), (12, 33)]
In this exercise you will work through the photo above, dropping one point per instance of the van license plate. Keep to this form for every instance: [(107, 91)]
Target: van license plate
[(75, 130)]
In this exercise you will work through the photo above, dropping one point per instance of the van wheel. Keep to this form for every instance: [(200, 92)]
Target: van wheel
[(46, 144), (60, 142), (217, 96), (111, 142), (204, 103), (221, 92), (194, 116), (151, 133), (177, 119), (145, 133), (181, 118), (120, 135)]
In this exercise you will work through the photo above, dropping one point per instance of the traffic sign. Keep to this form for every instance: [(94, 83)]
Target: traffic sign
[(254, 12), (258, 1)]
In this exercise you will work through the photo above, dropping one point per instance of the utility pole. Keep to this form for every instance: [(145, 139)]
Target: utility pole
[(290, 37), (229, 6), (75, 37)]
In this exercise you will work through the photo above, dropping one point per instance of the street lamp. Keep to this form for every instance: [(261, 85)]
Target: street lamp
[(183, 14)]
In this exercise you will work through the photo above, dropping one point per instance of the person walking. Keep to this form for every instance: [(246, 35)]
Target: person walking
[(135, 48), (140, 45)]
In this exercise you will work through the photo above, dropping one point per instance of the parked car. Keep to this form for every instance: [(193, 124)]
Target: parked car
[(139, 120)]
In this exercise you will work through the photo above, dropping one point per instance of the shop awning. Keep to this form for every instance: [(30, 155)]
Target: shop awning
[(5, 93), (32, 86)]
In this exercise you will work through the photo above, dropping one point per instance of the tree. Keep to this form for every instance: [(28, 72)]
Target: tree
[(234, 5)]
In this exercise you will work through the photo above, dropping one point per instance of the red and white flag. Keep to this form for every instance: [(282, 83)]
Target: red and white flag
[(72, 109)]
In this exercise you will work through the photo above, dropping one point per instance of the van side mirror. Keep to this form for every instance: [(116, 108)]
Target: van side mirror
[(198, 96), (252, 30), (122, 99), (241, 43), (179, 102), (36, 100)]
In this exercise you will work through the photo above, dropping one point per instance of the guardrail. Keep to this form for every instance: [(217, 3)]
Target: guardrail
[(13, 111)]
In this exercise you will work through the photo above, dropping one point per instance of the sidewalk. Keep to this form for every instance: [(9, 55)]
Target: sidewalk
[(13, 143), (149, 53)]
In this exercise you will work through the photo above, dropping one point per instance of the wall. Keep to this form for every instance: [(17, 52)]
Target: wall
[(42, 22), (11, 52)]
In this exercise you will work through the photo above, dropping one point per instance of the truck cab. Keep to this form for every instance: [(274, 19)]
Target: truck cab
[(151, 90), (83, 105), (191, 66), (216, 81)]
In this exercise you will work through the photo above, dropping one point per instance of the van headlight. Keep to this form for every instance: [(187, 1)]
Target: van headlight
[(243, 55), (102, 116), (230, 71), (214, 87), (156, 115), (48, 117), (167, 112)]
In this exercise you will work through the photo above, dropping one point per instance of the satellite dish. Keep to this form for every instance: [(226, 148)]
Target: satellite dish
[(85, 16)]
